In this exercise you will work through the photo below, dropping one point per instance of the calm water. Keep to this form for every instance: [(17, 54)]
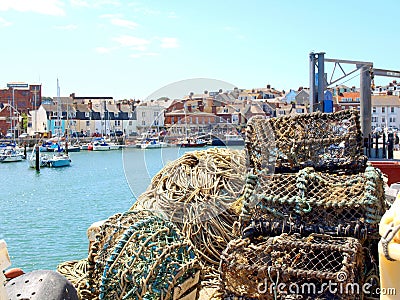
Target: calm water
[(44, 216)]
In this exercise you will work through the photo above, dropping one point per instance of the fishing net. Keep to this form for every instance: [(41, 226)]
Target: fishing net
[(76, 272), (136, 255), (198, 192), (325, 141), (314, 202), (288, 266)]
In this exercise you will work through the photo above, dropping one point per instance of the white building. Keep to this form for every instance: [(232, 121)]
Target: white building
[(150, 114), (385, 111), (38, 121)]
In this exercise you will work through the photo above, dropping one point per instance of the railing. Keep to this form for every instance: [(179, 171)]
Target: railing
[(381, 147)]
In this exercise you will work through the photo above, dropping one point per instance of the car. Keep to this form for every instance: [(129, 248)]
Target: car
[(23, 135), (117, 133)]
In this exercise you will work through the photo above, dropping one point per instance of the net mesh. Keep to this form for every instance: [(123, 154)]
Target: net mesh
[(325, 141), (136, 255), (198, 192), (299, 265), (314, 202)]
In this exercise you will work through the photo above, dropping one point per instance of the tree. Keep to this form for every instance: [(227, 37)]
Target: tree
[(24, 122)]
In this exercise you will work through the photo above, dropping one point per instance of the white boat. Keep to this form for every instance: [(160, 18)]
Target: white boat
[(10, 154), (103, 145), (43, 159), (58, 160), (152, 143)]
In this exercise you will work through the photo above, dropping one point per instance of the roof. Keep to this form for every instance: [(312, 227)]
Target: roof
[(112, 108), (378, 100)]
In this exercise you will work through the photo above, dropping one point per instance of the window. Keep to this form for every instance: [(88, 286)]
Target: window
[(143, 114), (375, 119), (130, 123), (117, 123), (383, 109), (144, 123), (392, 120), (87, 123), (87, 114), (374, 109), (155, 114), (383, 119), (392, 109)]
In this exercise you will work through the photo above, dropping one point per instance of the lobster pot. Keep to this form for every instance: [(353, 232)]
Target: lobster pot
[(289, 266), (139, 255), (314, 202), (325, 141)]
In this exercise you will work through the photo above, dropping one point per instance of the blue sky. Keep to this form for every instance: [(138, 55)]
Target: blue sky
[(130, 49)]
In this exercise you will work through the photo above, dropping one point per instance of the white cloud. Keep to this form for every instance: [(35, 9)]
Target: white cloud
[(46, 7), (4, 22), (94, 3), (124, 23), (169, 42), (131, 41), (118, 21), (138, 55), (67, 27), (172, 15)]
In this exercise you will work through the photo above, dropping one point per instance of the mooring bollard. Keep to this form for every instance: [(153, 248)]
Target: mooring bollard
[(37, 162), (4, 263)]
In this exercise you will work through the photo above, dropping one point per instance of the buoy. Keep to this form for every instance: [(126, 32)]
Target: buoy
[(389, 252), (13, 272)]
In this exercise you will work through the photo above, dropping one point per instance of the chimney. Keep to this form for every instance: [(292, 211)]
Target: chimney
[(189, 106), (200, 105), (72, 95), (119, 105), (268, 86), (90, 104)]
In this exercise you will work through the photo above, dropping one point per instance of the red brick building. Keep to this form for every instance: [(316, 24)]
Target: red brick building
[(24, 98)]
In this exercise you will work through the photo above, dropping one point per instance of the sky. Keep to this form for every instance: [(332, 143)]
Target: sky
[(131, 49)]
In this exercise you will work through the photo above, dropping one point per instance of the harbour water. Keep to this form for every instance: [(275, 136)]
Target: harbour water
[(44, 216)]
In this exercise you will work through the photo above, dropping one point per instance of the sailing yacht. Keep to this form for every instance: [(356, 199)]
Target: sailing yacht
[(59, 158)]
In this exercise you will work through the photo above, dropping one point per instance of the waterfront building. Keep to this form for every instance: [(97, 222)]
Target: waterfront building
[(385, 111), (22, 98), (393, 88), (37, 121), (150, 115), (9, 117)]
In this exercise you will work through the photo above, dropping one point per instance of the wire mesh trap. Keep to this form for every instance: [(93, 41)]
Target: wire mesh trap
[(325, 141), (287, 266), (314, 202)]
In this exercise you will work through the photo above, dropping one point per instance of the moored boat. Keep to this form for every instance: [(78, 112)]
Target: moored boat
[(43, 159), (192, 143), (10, 154), (152, 143), (59, 160)]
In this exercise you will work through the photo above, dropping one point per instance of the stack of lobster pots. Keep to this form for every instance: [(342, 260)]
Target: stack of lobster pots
[(311, 210)]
